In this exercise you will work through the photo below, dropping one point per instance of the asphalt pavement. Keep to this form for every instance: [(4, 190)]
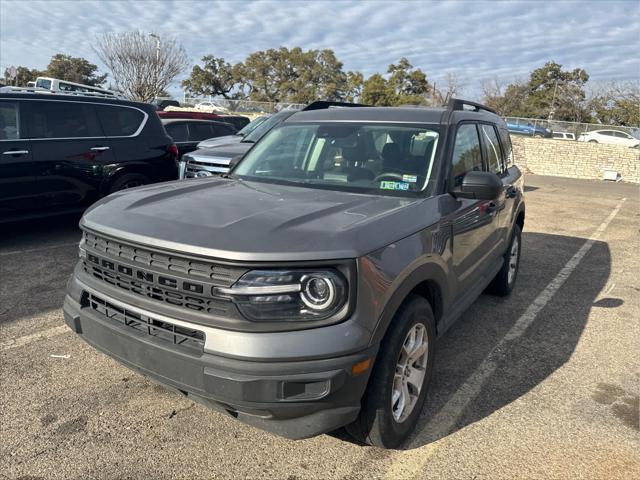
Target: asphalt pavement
[(543, 384)]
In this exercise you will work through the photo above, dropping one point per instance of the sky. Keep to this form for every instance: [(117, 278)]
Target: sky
[(475, 40)]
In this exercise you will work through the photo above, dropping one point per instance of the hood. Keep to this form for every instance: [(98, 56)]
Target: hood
[(225, 140), (253, 221), (221, 151)]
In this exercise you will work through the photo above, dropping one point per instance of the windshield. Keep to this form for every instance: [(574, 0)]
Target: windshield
[(388, 159), (264, 127), (251, 126)]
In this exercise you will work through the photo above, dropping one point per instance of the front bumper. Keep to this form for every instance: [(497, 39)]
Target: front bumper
[(294, 398)]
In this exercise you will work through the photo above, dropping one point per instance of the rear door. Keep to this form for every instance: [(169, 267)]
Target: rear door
[(496, 145), (69, 152), (18, 193)]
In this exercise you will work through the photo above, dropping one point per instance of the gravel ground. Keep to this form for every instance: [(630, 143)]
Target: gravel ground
[(543, 384)]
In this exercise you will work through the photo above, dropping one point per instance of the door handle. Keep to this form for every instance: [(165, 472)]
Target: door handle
[(16, 152), (99, 149)]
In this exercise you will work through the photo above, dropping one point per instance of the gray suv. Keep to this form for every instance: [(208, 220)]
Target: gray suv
[(310, 295)]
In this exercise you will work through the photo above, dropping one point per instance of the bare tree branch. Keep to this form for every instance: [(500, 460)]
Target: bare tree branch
[(141, 65)]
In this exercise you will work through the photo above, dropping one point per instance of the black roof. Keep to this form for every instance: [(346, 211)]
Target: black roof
[(62, 97), (454, 112)]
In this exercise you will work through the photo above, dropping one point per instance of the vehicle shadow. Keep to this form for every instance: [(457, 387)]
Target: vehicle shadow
[(516, 365), (36, 260)]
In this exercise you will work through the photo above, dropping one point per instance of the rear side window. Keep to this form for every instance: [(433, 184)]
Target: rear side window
[(63, 120), (492, 151), (466, 153), (200, 131), (9, 121), (506, 146), (177, 131), (119, 121)]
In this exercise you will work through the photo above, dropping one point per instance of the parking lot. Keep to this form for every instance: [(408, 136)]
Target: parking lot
[(543, 384)]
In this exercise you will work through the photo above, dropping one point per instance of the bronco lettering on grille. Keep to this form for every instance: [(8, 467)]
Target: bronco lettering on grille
[(165, 281)]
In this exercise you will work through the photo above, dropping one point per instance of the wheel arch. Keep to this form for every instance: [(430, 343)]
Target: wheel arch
[(114, 174), (428, 281)]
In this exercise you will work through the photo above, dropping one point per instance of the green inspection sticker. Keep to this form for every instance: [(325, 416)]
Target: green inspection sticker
[(394, 186)]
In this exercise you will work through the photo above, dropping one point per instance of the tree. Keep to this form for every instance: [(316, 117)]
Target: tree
[(23, 75), (216, 77), (550, 92), (353, 92), (452, 88), (405, 85), (376, 91), (617, 103), (74, 69), (142, 66), (294, 75)]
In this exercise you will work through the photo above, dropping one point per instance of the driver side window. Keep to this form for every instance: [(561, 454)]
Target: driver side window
[(466, 153)]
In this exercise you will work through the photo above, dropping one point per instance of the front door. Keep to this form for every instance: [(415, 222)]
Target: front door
[(18, 194), (474, 222)]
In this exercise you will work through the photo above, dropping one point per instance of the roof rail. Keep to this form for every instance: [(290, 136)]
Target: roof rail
[(322, 104), (458, 104), (35, 90)]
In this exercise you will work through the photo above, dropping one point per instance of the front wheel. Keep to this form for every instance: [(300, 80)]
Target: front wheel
[(397, 388)]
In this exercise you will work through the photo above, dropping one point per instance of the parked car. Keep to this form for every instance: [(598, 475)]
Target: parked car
[(564, 135), (529, 129), (238, 121), (216, 159), (210, 106), (305, 290), (186, 134), (60, 153), (611, 137), (236, 137), (209, 161)]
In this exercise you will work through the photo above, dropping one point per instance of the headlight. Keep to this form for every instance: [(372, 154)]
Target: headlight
[(289, 295)]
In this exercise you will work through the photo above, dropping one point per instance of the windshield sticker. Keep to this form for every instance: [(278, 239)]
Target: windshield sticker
[(410, 178), (394, 186)]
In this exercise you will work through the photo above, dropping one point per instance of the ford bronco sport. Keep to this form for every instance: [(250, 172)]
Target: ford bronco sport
[(304, 291)]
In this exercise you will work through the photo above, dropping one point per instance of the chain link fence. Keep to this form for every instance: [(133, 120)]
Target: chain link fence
[(239, 106), (558, 126)]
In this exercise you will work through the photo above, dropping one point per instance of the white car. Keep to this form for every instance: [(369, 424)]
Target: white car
[(210, 107), (612, 137)]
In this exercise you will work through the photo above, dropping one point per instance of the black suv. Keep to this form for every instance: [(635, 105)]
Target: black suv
[(305, 290), (60, 153)]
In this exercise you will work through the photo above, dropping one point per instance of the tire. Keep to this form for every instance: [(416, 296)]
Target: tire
[(503, 283), (377, 423), (128, 180)]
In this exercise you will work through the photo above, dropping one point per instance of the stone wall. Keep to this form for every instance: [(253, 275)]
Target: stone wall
[(565, 158)]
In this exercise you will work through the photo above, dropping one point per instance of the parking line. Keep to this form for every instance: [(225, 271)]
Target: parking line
[(447, 417), (29, 250)]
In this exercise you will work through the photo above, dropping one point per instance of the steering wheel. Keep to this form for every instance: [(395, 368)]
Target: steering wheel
[(389, 175)]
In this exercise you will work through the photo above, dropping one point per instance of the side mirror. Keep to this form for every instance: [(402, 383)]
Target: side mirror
[(234, 161), (480, 186)]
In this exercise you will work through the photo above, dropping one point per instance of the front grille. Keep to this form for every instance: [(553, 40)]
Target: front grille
[(192, 340), (157, 292), (219, 275), (206, 166)]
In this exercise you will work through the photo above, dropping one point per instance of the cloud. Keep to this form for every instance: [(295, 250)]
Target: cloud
[(476, 40)]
